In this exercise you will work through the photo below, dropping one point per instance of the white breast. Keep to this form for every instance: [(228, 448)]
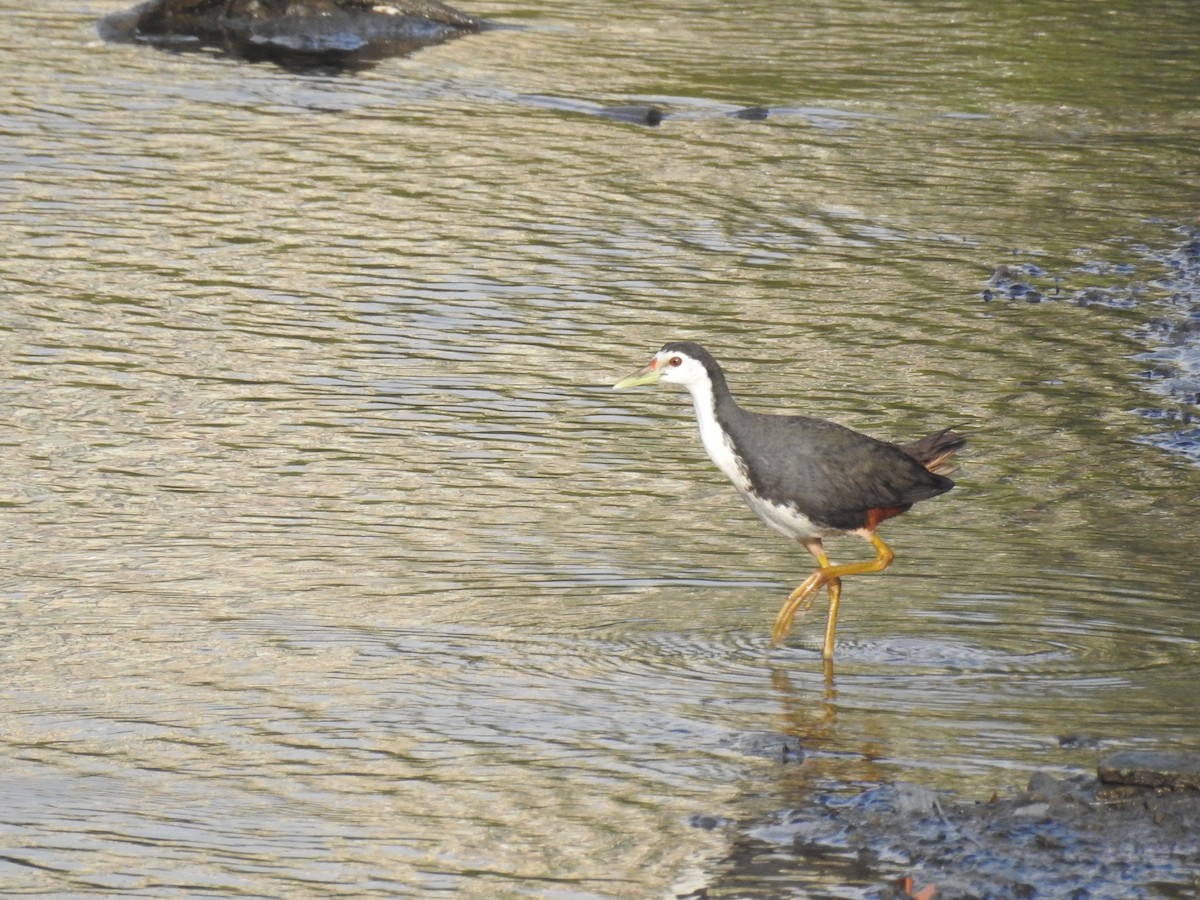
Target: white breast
[(784, 519), (719, 447)]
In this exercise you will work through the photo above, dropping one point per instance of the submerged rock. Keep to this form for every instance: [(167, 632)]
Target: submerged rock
[(783, 748), (297, 32)]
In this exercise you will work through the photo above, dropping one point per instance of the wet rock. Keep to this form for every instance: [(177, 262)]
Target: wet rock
[(635, 114), (1012, 282), (1077, 742), (1071, 837), (638, 115), (782, 748), (707, 822), (293, 32), (1151, 769), (913, 799), (1045, 788)]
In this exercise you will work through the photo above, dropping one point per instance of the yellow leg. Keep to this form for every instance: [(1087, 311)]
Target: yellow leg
[(805, 595), (802, 597), (834, 587), (829, 576)]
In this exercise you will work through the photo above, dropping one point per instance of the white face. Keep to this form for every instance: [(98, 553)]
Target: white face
[(673, 367), (678, 368)]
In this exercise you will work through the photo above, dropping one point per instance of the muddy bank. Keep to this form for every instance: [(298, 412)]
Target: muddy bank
[(1131, 831)]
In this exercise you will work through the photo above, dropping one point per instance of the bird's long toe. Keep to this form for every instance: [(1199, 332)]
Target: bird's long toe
[(800, 598)]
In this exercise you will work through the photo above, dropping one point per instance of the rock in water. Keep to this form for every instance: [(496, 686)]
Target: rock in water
[(1151, 768), (293, 32)]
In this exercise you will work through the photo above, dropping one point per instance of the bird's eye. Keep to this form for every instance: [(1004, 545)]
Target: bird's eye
[(675, 361)]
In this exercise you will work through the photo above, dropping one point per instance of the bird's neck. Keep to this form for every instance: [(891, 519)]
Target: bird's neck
[(715, 407)]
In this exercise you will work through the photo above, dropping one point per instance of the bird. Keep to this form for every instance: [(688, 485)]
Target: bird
[(807, 478)]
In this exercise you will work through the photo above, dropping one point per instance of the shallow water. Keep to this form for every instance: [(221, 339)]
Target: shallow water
[(334, 566)]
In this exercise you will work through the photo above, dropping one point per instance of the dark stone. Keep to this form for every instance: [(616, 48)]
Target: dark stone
[(293, 32), (1045, 788), (1150, 768), (1077, 742), (638, 115), (1001, 276), (708, 822)]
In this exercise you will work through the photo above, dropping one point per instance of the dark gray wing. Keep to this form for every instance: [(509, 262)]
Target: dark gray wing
[(831, 473)]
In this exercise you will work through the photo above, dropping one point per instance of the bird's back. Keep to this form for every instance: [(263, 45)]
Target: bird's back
[(832, 474)]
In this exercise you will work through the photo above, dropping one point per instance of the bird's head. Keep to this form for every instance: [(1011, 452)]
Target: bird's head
[(679, 362)]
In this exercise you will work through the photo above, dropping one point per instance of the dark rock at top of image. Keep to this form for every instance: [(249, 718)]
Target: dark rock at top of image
[(293, 32)]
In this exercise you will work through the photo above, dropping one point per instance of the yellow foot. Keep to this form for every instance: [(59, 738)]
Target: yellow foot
[(802, 597), (799, 599)]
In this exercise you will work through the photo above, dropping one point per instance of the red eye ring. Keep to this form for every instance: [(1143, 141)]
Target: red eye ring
[(675, 361)]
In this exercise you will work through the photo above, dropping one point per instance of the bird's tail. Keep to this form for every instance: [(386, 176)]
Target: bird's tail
[(935, 450)]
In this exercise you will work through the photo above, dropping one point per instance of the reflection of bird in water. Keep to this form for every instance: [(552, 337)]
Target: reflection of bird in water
[(807, 478)]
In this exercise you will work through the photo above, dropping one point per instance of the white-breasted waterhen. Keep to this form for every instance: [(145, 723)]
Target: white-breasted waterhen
[(807, 478)]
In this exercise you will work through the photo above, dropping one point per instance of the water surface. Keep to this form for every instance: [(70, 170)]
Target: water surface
[(333, 566)]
